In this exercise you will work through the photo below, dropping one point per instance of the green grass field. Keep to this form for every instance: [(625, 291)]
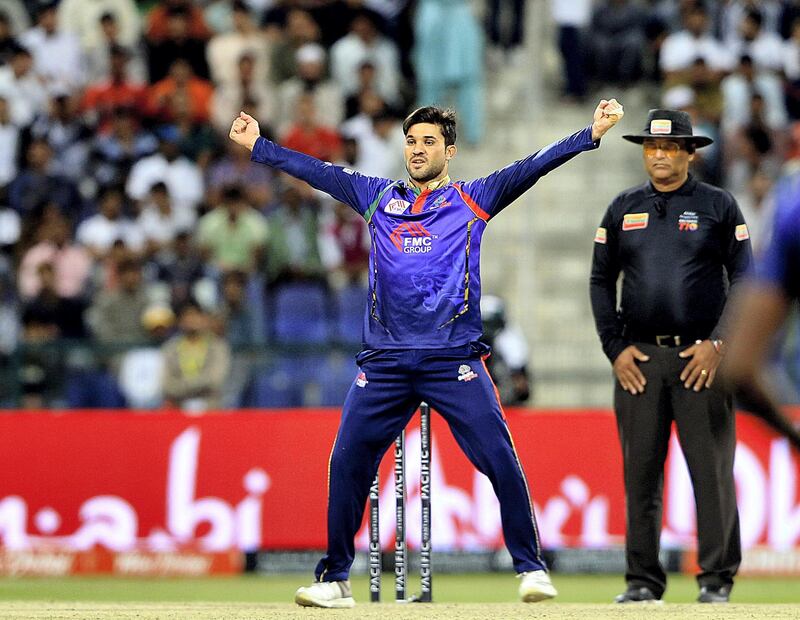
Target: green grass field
[(464, 597), (477, 588)]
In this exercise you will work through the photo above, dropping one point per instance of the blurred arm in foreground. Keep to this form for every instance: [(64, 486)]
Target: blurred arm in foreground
[(760, 312)]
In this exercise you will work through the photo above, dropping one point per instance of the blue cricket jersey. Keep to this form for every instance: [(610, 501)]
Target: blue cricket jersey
[(425, 284), (780, 263)]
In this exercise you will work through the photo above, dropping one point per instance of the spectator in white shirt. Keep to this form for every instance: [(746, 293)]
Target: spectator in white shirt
[(738, 89), (10, 231), (57, 57), (299, 29), (99, 232), (18, 18), (182, 177), (22, 89), (8, 42), (733, 12), (379, 139), (763, 46), (100, 54), (247, 92), (82, 18), (791, 53), (224, 50), (159, 222), (365, 42), (9, 143), (572, 18), (681, 49), (310, 78)]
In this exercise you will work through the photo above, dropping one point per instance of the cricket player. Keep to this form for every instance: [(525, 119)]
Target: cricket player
[(762, 309), (422, 327)]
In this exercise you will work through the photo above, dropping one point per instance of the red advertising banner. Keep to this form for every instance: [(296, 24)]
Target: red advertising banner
[(61, 561), (170, 482)]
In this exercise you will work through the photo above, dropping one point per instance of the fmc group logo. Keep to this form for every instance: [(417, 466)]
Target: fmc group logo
[(412, 238)]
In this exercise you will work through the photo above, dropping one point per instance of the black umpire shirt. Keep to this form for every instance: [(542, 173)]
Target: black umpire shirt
[(674, 249)]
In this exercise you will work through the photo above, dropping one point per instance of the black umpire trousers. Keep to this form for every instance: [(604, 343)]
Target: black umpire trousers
[(707, 434)]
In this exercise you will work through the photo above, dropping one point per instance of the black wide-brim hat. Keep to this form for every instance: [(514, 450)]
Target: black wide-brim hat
[(669, 124)]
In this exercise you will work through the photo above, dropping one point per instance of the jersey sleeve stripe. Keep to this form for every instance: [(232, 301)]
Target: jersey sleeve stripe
[(374, 204), (472, 204)]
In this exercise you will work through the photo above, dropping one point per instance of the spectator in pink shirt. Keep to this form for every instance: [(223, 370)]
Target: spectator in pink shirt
[(72, 263)]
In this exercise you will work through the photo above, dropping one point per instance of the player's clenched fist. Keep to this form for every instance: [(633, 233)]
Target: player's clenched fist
[(244, 130), (607, 114)]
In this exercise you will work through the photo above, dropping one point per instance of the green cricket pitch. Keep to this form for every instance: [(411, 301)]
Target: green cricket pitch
[(456, 596)]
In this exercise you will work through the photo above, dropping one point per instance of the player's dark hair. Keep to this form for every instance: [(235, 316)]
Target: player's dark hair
[(445, 119)]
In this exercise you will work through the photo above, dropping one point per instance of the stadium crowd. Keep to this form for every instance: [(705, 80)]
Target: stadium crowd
[(733, 65), (126, 217), (139, 248)]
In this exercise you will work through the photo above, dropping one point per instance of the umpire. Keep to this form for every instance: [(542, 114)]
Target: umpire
[(681, 245)]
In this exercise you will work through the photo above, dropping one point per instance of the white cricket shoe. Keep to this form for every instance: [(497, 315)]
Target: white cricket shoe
[(536, 586), (331, 594)]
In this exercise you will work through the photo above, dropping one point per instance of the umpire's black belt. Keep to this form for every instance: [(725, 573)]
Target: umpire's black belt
[(665, 340)]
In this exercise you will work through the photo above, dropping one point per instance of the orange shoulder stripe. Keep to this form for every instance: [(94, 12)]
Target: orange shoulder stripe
[(472, 204)]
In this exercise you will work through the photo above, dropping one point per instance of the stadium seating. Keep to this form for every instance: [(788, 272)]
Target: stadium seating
[(93, 389), (301, 314), (349, 314), (272, 387)]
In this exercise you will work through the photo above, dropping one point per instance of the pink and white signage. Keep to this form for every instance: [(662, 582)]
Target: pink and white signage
[(166, 482)]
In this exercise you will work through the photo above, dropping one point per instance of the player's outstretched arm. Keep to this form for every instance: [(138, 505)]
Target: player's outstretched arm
[(496, 191), (344, 185), (607, 114)]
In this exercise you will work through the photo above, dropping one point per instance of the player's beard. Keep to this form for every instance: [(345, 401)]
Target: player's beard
[(427, 173)]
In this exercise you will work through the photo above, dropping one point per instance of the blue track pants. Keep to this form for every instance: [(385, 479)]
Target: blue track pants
[(456, 384)]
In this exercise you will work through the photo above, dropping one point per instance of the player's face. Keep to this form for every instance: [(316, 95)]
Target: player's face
[(425, 152), (666, 161)]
